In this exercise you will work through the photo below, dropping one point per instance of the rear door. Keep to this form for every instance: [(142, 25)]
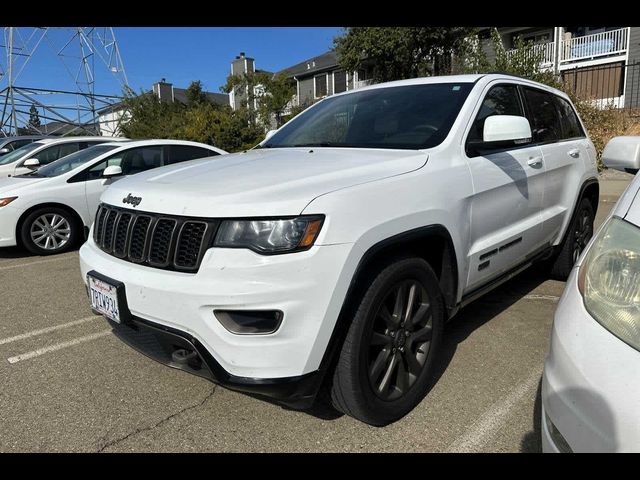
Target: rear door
[(508, 193), (558, 131)]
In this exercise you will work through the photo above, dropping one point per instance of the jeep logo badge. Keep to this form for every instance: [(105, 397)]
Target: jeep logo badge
[(135, 201)]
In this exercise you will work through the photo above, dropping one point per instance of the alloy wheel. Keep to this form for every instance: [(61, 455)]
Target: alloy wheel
[(583, 234), (400, 340), (50, 231)]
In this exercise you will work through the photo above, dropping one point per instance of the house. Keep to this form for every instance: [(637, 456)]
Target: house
[(110, 117), (315, 78), (598, 62)]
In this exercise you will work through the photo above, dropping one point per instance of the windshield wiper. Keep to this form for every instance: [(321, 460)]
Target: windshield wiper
[(30, 174), (317, 144)]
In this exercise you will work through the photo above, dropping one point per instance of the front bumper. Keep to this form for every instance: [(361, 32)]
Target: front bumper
[(590, 385), (9, 216), (308, 287), (161, 344)]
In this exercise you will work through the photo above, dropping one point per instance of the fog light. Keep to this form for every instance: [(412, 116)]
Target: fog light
[(250, 322), (561, 444)]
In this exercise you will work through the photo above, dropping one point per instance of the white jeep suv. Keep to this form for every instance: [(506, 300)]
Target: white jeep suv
[(334, 252)]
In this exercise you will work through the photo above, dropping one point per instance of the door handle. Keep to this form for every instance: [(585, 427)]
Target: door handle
[(535, 161), (575, 153)]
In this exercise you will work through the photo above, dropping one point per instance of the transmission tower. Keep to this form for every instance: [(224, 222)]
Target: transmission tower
[(56, 69)]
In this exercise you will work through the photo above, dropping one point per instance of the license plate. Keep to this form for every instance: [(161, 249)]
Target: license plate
[(104, 298)]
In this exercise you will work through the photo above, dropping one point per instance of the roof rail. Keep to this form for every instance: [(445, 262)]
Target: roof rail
[(498, 72)]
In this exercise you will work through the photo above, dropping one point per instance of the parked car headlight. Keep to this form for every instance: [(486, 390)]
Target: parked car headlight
[(6, 201), (609, 280), (269, 236)]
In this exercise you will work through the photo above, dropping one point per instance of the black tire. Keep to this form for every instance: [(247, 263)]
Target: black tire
[(355, 390), (55, 215), (578, 235)]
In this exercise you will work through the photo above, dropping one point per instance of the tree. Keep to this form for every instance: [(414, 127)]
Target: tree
[(395, 53), (196, 94), (34, 118), (266, 94), (199, 120)]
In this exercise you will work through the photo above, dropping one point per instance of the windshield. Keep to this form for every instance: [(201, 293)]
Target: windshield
[(71, 161), (405, 117), (18, 153)]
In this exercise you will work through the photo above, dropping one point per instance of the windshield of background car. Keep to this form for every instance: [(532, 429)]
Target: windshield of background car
[(72, 161), (18, 153), (403, 117)]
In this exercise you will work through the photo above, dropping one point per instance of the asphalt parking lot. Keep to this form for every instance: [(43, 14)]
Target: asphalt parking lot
[(68, 384)]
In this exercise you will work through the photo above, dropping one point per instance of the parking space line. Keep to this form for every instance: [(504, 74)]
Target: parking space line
[(28, 264), (535, 296), (58, 346), (493, 419), (42, 331)]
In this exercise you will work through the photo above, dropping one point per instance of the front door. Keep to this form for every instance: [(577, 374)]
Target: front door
[(508, 194)]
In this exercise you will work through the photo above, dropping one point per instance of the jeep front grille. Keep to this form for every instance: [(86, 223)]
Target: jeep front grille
[(169, 242)]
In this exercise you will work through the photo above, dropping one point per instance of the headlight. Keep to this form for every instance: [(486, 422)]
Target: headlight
[(270, 236), (6, 201), (609, 280)]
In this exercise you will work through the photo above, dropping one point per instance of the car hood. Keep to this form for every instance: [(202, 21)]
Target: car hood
[(261, 182), (10, 185)]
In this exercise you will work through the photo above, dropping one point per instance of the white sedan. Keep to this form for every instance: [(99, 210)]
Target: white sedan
[(44, 151), (51, 209), (591, 385)]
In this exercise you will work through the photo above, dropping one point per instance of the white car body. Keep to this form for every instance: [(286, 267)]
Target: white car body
[(82, 197), (523, 200), (590, 384), (16, 167)]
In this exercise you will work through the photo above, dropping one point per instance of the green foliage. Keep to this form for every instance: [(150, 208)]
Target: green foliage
[(34, 117), (199, 120), (270, 95), (395, 53)]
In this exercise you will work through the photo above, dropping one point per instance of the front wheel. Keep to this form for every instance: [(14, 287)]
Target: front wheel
[(49, 230), (386, 361), (578, 234)]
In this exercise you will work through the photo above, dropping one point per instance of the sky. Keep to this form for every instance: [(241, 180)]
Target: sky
[(179, 55)]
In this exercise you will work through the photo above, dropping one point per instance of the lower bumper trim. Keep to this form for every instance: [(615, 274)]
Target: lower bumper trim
[(160, 342)]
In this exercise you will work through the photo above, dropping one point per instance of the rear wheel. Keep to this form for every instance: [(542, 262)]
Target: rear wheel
[(578, 235), (386, 361), (49, 230)]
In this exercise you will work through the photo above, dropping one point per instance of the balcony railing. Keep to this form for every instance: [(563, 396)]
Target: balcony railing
[(545, 50), (614, 42), (362, 83)]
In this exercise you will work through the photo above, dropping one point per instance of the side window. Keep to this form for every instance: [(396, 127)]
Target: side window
[(131, 161), (571, 127), (67, 148), (544, 119), (182, 153), (47, 155), (500, 100), (17, 144)]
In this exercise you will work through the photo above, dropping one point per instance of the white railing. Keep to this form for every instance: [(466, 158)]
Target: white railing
[(362, 83), (597, 45), (545, 50)]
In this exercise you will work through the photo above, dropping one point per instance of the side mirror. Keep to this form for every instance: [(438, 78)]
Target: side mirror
[(112, 171), (622, 153), (32, 163), (503, 131), (270, 134), (4, 151)]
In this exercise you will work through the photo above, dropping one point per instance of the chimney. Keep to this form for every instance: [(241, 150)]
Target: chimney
[(163, 90)]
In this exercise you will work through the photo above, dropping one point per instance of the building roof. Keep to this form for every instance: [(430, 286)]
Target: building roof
[(327, 60), (180, 95)]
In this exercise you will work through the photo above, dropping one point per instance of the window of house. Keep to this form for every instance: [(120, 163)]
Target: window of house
[(339, 81), (321, 86), (544, 118)]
